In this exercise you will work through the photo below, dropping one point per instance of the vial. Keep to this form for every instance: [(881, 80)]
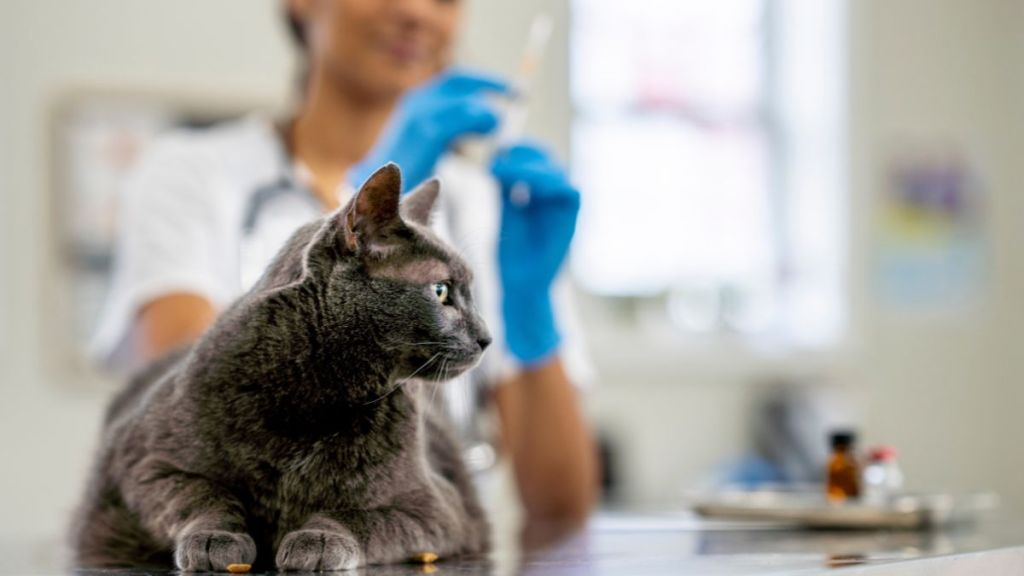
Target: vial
[(882, 475), (842, 480)]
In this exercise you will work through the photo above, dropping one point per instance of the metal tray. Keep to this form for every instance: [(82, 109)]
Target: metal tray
[(809, 507)]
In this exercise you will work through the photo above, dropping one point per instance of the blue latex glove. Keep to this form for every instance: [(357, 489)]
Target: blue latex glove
[(428, 121), (538, 219)]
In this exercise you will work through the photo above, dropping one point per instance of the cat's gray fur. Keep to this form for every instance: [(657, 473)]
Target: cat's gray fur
[(297, 432)]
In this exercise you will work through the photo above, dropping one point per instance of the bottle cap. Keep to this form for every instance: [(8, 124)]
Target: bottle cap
[(883, 454), (843, 438)]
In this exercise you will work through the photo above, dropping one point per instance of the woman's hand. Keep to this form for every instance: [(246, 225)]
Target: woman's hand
[(538, 219), (428, 121)]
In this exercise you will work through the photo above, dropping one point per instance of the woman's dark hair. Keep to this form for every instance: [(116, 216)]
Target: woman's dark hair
[(296, 28)]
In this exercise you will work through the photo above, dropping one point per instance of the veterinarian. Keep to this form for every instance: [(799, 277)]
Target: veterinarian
[(206, 210)]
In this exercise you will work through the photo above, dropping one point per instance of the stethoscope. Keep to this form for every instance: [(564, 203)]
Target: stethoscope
[(254, 248), (285, 185)]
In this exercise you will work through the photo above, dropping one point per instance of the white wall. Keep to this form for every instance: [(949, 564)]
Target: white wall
[(942, 387), (945, 390), (1012, 470)]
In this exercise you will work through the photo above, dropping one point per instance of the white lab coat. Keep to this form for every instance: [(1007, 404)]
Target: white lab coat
[(206, 210)]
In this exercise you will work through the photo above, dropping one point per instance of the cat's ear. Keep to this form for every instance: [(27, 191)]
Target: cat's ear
[(419, 204), (373, 212)]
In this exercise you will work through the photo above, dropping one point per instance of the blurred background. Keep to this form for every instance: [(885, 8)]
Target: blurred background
[(791, 207)]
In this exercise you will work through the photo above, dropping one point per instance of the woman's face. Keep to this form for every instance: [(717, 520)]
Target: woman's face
[(379, 48)]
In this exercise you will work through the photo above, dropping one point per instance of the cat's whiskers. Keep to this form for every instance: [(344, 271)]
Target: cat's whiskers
[(400, 381), (447, 370), (446, 375), (438, 384), (398, 345)]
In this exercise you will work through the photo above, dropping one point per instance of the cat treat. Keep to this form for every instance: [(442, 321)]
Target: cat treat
[(425, 558), (297, 384)]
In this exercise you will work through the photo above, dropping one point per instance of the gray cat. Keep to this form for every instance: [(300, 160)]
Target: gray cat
[(297, 433)]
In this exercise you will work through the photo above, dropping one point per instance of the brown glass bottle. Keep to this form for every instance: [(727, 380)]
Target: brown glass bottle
[(843, 476)]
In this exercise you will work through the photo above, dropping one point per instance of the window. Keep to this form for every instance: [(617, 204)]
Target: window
[(707, 139)]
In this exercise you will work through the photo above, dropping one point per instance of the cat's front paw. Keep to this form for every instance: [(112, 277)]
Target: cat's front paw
[(213, 550), (315, 550)]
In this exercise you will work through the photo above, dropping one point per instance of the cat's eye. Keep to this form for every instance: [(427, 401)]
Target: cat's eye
[(441, 291)]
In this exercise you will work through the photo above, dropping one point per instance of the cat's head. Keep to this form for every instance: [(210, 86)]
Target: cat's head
[(377, 279)]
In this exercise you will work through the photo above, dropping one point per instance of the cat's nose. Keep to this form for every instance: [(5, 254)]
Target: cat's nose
[(483, 341)]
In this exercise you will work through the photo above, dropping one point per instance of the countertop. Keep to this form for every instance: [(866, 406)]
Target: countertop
[(656, 544)]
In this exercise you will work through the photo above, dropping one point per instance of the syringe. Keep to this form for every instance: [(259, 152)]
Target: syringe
[(513, 123), (516, 108)]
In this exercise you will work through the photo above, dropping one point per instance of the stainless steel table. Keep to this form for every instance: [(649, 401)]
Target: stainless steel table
[(656, 544)]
